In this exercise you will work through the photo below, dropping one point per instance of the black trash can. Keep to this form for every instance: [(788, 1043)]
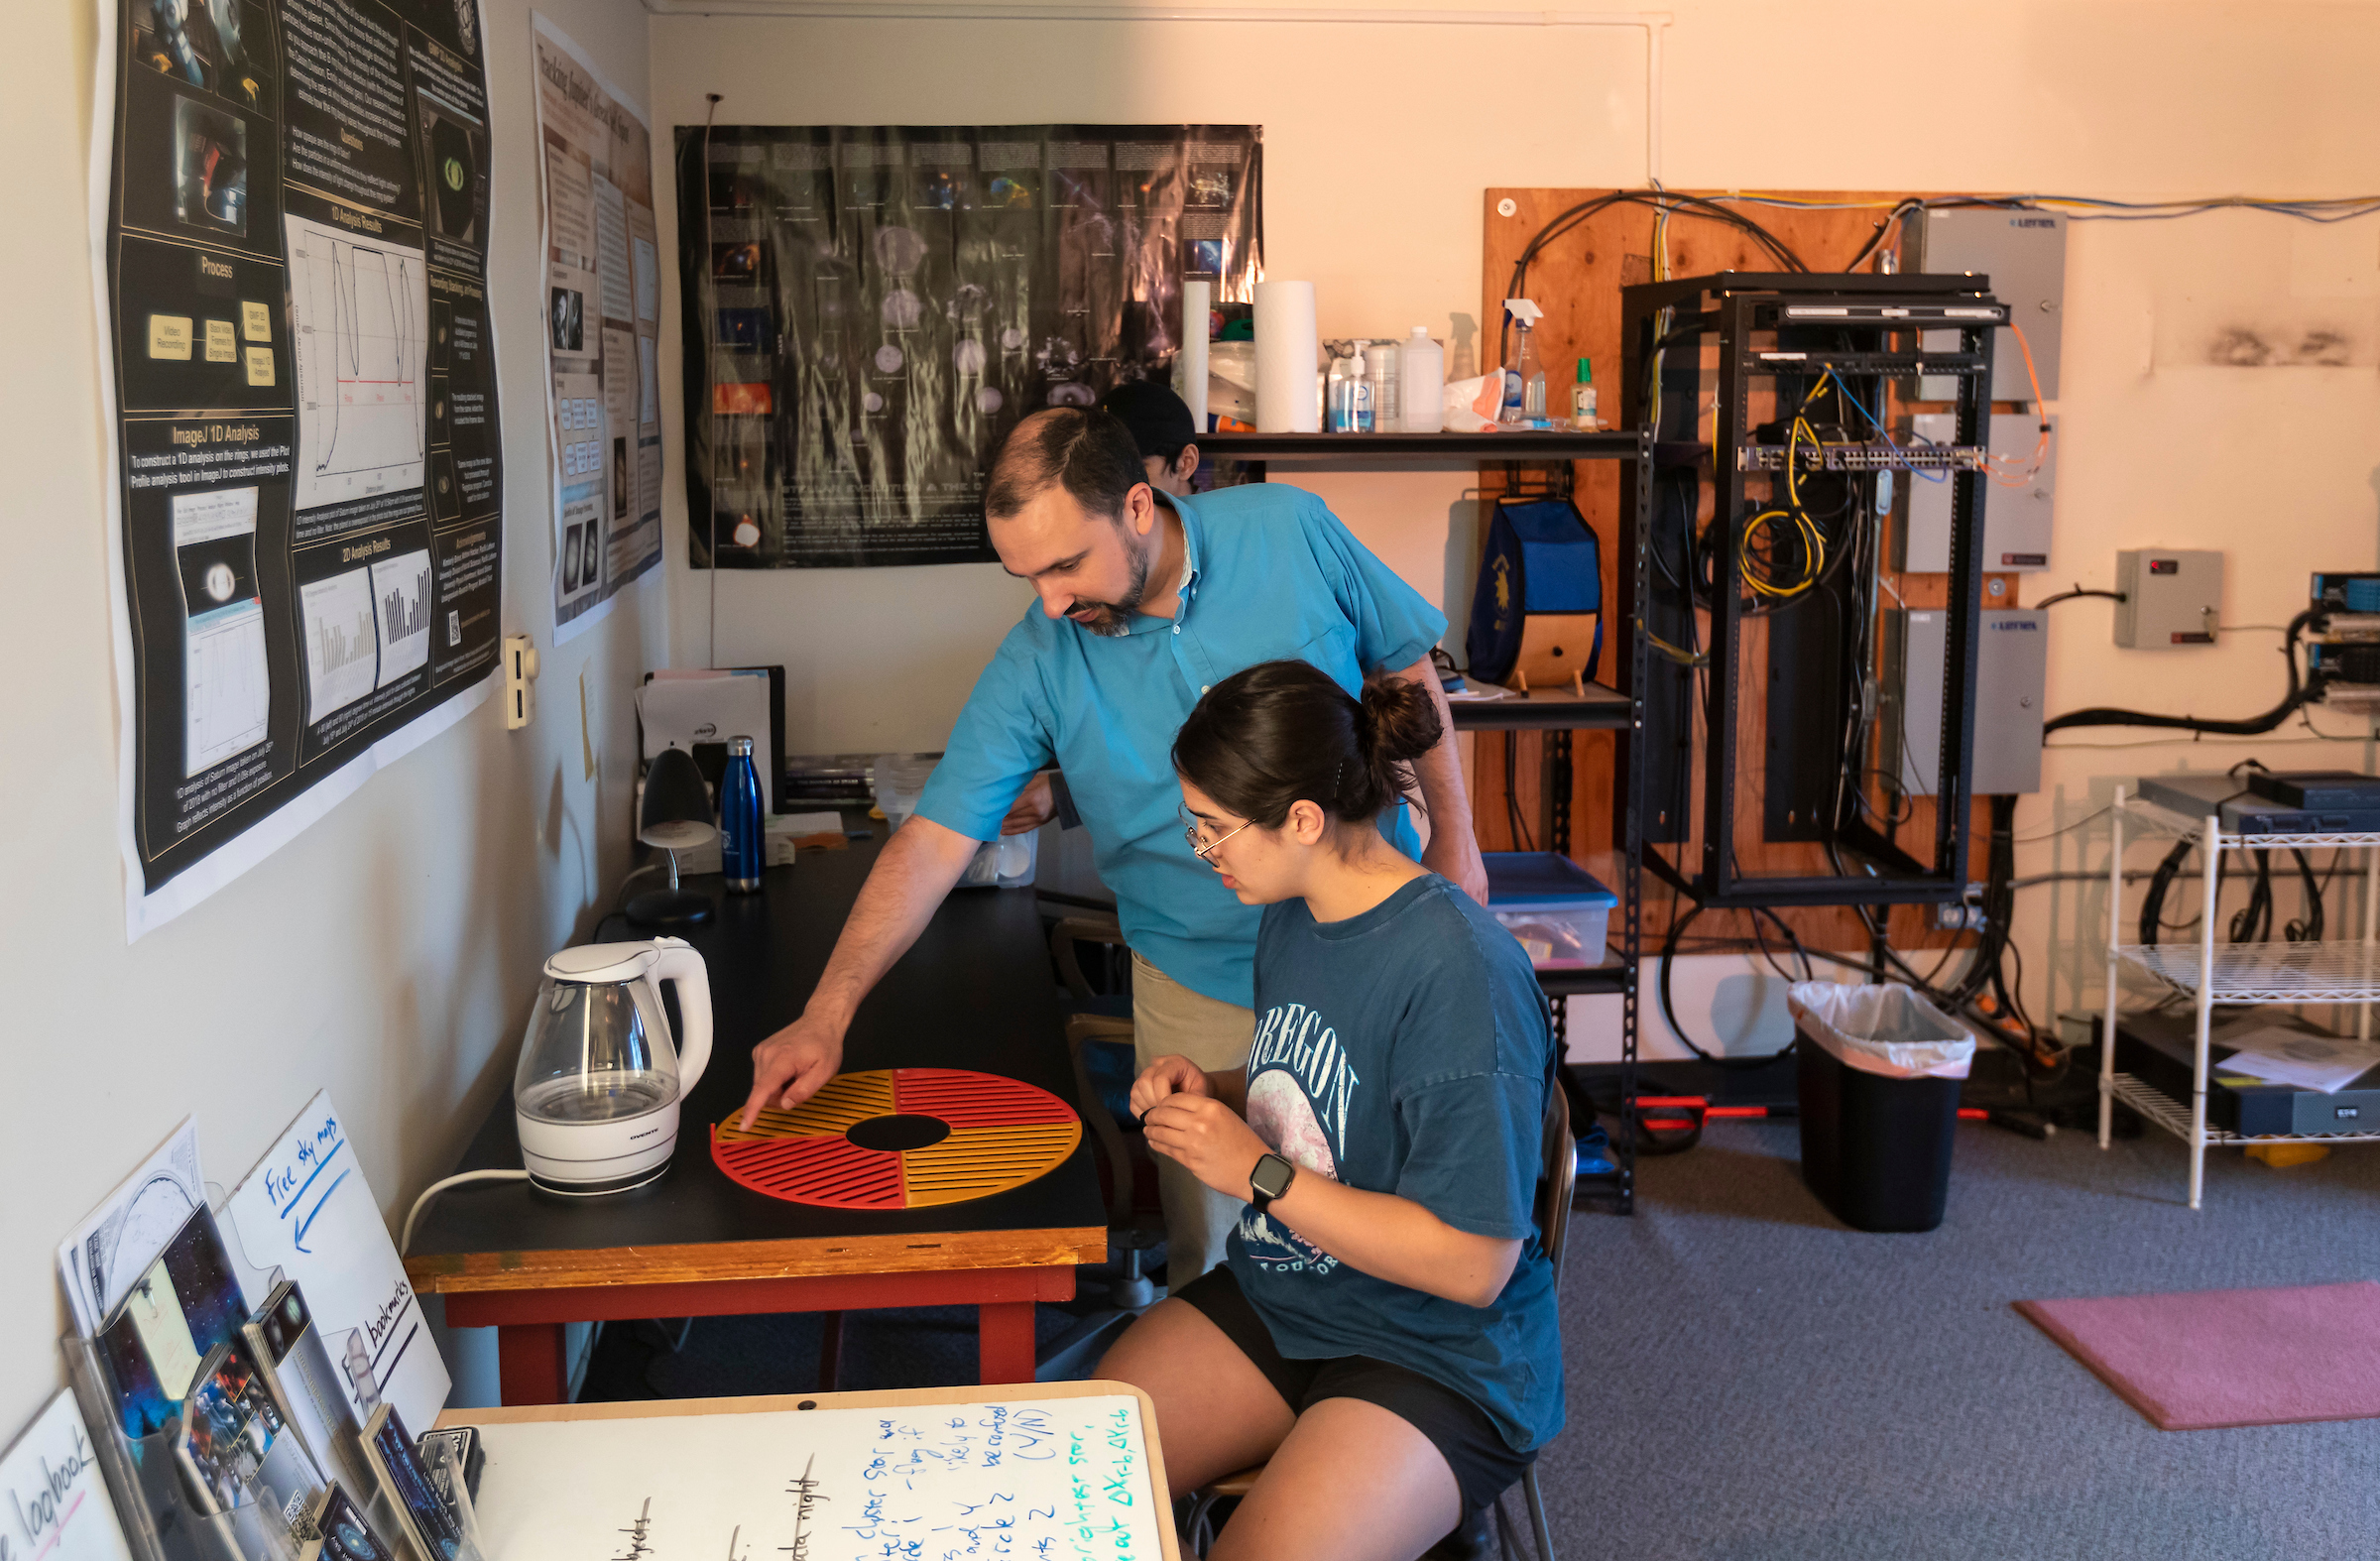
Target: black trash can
[(1876, 1150)]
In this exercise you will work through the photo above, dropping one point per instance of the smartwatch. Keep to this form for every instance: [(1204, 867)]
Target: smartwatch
[(1270, 1180)]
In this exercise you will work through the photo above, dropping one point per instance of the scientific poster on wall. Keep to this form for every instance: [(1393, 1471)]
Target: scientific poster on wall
[(291, 209), (868, 310), (603, 291)]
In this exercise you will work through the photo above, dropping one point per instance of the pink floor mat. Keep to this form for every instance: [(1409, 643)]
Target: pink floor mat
[(2202, 1359)]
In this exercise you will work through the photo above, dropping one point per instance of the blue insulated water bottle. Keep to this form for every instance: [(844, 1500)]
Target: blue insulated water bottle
[(741, 848)]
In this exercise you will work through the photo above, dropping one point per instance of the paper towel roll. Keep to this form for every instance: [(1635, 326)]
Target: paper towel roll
[(1288, 349), (1190, 366)]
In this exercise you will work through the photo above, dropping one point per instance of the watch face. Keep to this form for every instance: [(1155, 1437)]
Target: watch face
[(1271, 1176)]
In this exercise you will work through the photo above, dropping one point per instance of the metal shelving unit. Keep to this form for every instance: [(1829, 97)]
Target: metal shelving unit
[(2339, 970), (1556, 712)]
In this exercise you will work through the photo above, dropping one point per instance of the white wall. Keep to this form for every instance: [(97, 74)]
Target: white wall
[(390, 951), (1381, 208)]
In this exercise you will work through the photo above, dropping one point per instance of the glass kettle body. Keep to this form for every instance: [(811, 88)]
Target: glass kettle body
[(596, 1092)]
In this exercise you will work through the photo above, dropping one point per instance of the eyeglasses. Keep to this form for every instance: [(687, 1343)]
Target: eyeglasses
[(1204, 850)]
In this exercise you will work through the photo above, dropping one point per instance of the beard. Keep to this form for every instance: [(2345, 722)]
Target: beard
[(1114, 619)]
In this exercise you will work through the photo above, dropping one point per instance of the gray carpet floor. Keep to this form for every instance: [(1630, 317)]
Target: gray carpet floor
[(1749, 1380)]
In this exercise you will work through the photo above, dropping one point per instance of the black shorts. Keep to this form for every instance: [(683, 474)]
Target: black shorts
[(1483, 1462)]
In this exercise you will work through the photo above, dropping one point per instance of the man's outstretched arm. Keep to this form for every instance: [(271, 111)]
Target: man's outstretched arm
[(919, 866)]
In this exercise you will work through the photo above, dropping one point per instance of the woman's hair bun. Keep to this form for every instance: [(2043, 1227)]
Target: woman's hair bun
[(1400, 721), (1264, 738)]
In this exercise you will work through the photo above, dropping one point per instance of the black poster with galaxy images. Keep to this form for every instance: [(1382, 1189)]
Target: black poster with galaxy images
[(868, 310)]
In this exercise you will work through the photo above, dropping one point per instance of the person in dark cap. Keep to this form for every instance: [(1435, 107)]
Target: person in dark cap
[(1161, 426)]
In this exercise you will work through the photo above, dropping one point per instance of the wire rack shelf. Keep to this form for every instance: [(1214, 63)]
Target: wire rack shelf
[(2331, 971), (2174, 1116)]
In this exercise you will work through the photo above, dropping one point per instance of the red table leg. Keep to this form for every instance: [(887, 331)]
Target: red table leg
[(533, 1369), (1005, 1342)]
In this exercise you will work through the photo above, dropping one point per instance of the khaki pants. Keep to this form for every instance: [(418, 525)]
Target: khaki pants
[(1170, 1020)]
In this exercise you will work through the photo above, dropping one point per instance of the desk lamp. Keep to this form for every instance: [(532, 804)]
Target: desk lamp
[(675, 816)]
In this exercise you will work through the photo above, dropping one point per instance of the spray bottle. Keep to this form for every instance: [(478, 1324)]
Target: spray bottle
[(1525, 376)]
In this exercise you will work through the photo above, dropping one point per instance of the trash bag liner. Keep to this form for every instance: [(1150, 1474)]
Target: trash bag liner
[(1885, 1029)]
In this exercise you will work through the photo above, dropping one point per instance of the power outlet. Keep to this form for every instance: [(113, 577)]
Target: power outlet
[(1967, 916), (520, 677)]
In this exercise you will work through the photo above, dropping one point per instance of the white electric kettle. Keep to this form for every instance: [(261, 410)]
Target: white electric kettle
[(597, 1090)]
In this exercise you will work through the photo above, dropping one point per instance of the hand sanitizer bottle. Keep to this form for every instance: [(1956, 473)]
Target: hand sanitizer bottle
[(1582, 398)]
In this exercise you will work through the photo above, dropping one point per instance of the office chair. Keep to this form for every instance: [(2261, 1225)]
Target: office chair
[(1555, 1183)]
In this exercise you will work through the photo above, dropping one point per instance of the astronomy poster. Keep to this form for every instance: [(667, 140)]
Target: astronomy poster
[(868, 310), (601, 330), (291, 203)]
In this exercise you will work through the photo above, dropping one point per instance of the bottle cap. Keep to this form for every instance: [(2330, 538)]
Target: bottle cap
[(1585, 372), (739, 747), (1421, 332)]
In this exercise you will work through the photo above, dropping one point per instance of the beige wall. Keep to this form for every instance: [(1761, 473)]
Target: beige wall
[(389, 952), (1383, 216), (1380, 207)]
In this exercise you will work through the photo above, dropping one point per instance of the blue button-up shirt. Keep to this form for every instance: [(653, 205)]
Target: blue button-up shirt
[(1270, 574)]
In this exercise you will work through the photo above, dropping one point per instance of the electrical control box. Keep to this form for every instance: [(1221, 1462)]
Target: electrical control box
[(2012, 665), (2024, 255), (2171, 597), (2016, 519)]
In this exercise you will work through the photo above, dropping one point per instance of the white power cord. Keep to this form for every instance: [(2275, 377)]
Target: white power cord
[(405, 1242)]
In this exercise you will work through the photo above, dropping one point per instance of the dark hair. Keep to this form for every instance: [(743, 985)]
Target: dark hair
[(1089, 451), (1157, 418), (1285, 731)]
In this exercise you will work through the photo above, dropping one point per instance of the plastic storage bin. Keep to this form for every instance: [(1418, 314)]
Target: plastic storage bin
[(1877, 1075), (1554, 906)]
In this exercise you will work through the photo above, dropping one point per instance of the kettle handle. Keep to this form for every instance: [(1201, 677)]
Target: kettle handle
[(679, 963)]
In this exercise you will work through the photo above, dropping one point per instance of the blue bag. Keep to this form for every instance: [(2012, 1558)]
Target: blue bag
[(1539, 605)]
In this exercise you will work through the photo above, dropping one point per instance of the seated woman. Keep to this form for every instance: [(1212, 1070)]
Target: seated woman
[(1382, 1331)]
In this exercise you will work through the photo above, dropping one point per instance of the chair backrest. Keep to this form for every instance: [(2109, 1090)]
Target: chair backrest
[(1071, 930), (1557, 1178)]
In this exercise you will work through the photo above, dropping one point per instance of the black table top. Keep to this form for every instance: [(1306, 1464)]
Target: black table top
[(975, 992)]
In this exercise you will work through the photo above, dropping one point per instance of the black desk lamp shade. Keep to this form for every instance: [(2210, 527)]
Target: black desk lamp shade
[(675, 815)]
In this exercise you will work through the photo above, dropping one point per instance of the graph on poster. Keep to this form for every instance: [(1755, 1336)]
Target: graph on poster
[(342, 653), (360, 312), (401, 589), (227, 692)]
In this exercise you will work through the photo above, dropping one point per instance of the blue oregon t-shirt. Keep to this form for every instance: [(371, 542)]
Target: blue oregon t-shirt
[(1405, 1050), (1270, 574)]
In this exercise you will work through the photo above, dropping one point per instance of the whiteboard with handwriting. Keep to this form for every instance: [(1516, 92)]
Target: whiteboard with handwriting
[(1019, 1479)]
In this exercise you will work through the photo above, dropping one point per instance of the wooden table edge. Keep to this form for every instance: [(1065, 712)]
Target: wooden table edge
[(452, 1273), (886, 1399)]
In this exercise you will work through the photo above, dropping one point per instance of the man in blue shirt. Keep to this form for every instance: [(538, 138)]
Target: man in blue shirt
[(1145, 601)]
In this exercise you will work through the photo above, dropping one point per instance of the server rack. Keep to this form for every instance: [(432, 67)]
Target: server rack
[(1795, 336)]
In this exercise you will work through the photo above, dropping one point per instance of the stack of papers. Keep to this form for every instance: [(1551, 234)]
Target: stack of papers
[(2328, 1063)]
